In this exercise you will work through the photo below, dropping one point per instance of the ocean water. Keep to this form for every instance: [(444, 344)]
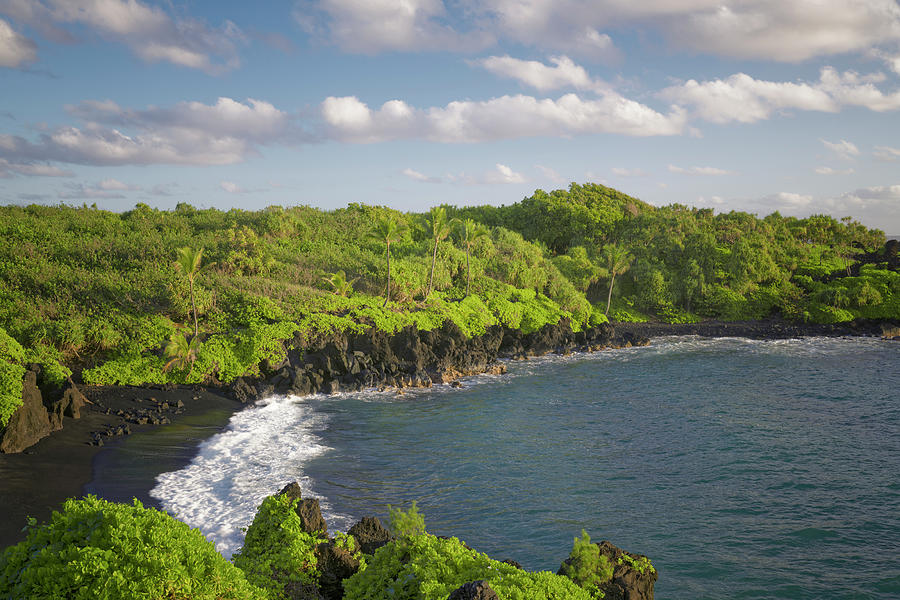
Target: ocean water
[(743, 469)]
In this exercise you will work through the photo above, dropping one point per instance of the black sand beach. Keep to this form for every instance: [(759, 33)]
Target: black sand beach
[(66, 465)]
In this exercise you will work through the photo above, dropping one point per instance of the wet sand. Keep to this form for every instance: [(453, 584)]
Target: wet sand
[(65, 464)]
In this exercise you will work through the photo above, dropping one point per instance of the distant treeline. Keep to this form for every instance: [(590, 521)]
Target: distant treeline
[(99, 293)]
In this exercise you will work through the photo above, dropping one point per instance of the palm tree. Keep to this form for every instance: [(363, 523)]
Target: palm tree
[(387, 230), (181, 353), (338, 280), (440, 229), (188, 262), (469, 231), (617, 261)]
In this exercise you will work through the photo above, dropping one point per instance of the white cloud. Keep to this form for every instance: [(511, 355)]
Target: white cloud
[(499, 175), (148, 30), (506, 117), (503, 174), (785, 31), (623, 172), (830, 171), (779, 30), (709, 171), (416, 176), (7, 169), (887, 153), (550, 174), (564, 74), (371, 26), (231, 187), (844, 149), (106, 189), (189, 133), (16, 50), (744, 99), (115, 184)]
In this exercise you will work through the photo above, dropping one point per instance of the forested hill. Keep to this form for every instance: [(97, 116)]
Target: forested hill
[(100, 293)]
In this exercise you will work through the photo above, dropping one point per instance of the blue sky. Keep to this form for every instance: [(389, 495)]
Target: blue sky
[(756, 105)]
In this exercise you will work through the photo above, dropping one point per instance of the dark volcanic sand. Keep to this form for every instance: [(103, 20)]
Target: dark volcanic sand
[(64, 465)]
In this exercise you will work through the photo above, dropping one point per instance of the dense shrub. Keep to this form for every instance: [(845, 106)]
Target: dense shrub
[(99, 550), (586, 566), (277, 551), (420, 566), (11, 374)]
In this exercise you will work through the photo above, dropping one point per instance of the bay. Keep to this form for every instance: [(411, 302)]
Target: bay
[(743, 469)]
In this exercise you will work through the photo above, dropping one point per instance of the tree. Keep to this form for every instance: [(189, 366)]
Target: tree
[(469, 231), (439, 228), (617, 261), (181, 353), (188, 262), (387, 230)]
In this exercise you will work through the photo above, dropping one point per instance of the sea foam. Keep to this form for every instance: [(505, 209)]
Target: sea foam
[(264, 447)]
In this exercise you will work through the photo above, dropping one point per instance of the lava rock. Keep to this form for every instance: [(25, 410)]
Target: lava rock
[(30, 423), (475, 590), (334, 564), (370, 534)]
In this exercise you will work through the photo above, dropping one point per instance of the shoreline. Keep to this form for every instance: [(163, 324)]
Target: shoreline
[(66, 464)]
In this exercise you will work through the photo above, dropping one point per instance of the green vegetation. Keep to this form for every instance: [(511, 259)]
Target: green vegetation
[(100, 293), (99, 549), (586, 566), (96, 549), (277, 551), (420, 566)]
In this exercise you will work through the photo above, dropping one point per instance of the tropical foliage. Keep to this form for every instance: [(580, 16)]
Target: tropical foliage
[(96, 549), (100, 292)]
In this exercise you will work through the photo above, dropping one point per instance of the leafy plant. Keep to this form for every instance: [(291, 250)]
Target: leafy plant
[(339, 283), (405, 524), (100, 550), (586, 566), (276, 550)]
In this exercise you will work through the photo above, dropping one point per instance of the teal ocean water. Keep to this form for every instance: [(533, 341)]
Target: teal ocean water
[(744, 469)]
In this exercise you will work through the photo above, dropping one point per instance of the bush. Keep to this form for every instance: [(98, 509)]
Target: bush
[(277, 550), (586, 566), (11, 374), (99, 550), (424, 567)]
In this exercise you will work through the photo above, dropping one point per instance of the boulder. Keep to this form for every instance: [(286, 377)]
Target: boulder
[(334, 564), (30, 423), (475, 590), (307, 509), (243, 391), (370, 534)]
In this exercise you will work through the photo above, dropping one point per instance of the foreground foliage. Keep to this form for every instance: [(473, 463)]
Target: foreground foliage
[(277, 551), (100, 550), (420, 566)]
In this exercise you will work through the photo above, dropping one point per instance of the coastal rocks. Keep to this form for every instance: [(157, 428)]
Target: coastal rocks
[(341, 362), (307, 509), (334, 565), (633, 576), (475, 590), (370, 534), (30, 423)]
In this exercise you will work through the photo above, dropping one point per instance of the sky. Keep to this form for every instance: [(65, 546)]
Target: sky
[(753, 105)]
